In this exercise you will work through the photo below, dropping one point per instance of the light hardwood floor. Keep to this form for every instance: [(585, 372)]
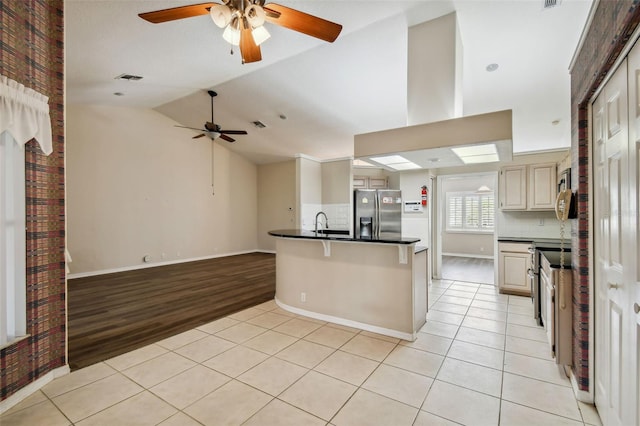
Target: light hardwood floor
[(468, 269)]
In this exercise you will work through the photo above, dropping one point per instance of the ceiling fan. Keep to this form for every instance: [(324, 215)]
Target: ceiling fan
[(213, 130), (243, 22)]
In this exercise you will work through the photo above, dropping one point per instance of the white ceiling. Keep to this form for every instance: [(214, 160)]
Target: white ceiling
[(328, 92)]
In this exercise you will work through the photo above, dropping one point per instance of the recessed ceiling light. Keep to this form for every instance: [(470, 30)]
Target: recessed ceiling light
[(492, 67), (474, 154), (465, 151), (389, 159), (475, 159), (408, 165), (396, 162)]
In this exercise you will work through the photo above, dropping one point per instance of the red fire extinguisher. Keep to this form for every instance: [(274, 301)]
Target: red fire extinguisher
[(424, 194)]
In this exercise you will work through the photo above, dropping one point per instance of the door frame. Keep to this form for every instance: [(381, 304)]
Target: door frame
[(438, 207)]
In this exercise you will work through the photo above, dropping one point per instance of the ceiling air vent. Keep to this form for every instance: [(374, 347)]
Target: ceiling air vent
[(548, 4), (259, 124), (129, 77)]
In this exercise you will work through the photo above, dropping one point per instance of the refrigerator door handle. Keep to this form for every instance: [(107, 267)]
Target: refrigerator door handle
[(376, 232)]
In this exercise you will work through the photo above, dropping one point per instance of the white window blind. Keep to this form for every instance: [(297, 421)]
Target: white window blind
[(454, 214), (24, 115), (470, 211)]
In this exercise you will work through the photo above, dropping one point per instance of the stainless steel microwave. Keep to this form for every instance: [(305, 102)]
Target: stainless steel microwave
[(564, 180)]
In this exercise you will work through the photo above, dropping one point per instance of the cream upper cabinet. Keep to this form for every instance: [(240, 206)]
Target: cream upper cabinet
[(513, 188), (360, 182), (370, 182), (514, 263), (542, 186), (378, 182), (528, 187)]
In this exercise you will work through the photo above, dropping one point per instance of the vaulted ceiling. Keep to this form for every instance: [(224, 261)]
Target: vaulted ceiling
[(327, 92)]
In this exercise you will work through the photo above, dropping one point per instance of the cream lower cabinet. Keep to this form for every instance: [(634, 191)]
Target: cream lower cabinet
[(514, 262)]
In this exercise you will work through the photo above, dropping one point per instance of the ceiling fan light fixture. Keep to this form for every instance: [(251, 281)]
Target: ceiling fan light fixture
[(232, 34), (260, 35), (255, 15), (221, 15)]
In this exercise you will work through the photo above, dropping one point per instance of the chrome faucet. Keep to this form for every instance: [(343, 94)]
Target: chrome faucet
[(326, 221)]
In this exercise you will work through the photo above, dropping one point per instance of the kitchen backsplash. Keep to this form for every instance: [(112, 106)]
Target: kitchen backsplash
[(337, 214), (542, 224)]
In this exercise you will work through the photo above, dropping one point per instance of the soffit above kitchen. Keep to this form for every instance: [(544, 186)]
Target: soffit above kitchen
[(434, 145), (327, 92)]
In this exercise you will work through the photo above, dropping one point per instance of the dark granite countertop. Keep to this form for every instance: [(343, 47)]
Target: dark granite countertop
[(539, 241), (554, 258), (515, 240), (310, 235)]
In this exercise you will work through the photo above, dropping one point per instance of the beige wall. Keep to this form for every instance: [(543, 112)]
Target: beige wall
[(415, 224), (434, 75), (138, 186), (276, 200), (336, 182)]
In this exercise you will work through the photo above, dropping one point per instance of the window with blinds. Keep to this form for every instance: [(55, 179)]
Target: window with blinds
[(470, 211)]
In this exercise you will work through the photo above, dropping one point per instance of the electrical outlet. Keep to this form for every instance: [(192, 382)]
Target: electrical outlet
[(303, 297)]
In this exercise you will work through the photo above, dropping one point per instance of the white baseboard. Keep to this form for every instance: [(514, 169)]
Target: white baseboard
[(583, 396), (349, 323), (476, 256), (32, 388), (154, 264)]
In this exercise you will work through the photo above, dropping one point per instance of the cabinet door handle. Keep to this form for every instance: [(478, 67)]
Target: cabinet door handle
[(636, 308), (614, 286)]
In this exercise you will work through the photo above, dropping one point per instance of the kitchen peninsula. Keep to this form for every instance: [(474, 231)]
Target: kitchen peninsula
[(378, 285)]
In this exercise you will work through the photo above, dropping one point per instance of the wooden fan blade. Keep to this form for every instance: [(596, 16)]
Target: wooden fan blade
[(234, 132), (302, 22), (248, 48), (175, 13), (227, 138), (192, 128), (199, 136)]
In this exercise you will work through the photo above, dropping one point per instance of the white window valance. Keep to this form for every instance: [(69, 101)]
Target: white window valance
[(24, 113)]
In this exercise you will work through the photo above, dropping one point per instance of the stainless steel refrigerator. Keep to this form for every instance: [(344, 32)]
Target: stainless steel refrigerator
[(377, 214)]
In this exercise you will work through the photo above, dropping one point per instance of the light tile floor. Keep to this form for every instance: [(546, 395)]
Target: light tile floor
[(479, 360)]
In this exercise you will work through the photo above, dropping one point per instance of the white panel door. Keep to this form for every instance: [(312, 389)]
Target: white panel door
[(632, 234), (611, 185)]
